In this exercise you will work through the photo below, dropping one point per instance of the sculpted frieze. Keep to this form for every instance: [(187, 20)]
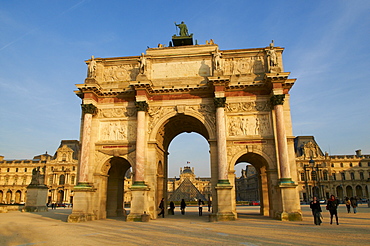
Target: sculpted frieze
[(119, 73), (117, 130), (248, 106), (249, 125), (155, 113), (116, 112), (245, 65)]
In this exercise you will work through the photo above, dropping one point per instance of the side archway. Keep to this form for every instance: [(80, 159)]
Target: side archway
[(261, 163)]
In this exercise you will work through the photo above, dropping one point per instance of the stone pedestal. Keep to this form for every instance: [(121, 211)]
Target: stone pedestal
[(36, 198), (139, 194), (82, 205), (225, 210), (290, 203)]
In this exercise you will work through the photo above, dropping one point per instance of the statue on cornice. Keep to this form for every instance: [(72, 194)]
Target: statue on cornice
[(217, 60), (91, 68), (142, 64), (183, 29), (271, 55)]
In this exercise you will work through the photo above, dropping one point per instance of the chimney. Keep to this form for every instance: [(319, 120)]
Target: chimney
[(358, 153)]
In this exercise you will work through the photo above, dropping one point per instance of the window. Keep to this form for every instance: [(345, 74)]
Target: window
[(343, 176), (62, 179), (313, 175), (72, 179), (325, 175), (360, 164), (341, 164), (350, 165), (50, 180), (16, 170), (8, 170), (361, 175), (334, 176), (352, 176), (332, 165), (73, 168), (62, 168), (64, 158), (25, 170), (302, 177)]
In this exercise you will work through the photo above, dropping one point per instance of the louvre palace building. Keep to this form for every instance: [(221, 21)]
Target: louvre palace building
[(319, 174)]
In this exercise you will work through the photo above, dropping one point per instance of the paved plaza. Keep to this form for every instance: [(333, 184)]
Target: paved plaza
[(51, 228)]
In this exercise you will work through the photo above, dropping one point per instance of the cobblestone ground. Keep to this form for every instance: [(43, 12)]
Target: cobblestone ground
[(50, 228)]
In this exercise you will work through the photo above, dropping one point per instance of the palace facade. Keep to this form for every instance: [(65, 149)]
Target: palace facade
[(60, 173)]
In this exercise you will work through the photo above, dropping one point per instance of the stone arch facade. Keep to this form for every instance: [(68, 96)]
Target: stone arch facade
[(241, 107)]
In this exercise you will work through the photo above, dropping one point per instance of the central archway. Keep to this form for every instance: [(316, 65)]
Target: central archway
[(170, 128)]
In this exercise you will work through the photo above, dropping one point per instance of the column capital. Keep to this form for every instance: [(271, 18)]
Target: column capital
[(219, 102), (89, 109), (277, 99), (141, 106)]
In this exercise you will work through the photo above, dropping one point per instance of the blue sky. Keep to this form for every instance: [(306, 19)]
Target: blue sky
[(43, 46)]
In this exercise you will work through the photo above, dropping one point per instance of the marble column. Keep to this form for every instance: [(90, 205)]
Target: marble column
[(277, 101), (88, 111), (221, 140), (142, 107), (139, 190)]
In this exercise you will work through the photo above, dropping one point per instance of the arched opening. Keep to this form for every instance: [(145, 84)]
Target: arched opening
[(8, 197), (18, 195), (349, 191), (340, 192), (359, 192), (115, 187), (1, 196), (254, 183), (187, 136)]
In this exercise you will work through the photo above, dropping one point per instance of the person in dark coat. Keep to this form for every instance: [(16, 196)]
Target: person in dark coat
[(172, 208), (332, 206), (354, 204), (316, 211), (161, 206), (200, 206), (182, 206)]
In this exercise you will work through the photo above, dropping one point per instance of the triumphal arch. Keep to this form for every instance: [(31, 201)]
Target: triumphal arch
[(132, 108)]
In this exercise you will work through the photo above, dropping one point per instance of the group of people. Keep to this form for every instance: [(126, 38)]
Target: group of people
[(171, 210), (332, 207), (351, 202)]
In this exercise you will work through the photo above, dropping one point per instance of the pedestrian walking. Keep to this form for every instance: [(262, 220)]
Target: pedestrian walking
[(209, 204), (348, 204), (200, 206), (161, 207), (182, 206), (332, 206), (316, 211), (172, 208), (354, 204)]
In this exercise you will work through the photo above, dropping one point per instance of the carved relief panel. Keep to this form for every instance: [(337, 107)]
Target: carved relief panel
[(249, 125), (245, 65)]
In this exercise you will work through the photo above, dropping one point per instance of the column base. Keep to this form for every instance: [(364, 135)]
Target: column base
[(138, 217), (80, 217), (293, 216), (286, 181), (223, 182), (35, 209), (222, 217)]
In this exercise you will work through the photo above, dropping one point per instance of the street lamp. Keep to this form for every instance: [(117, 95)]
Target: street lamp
[(316, 172)]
